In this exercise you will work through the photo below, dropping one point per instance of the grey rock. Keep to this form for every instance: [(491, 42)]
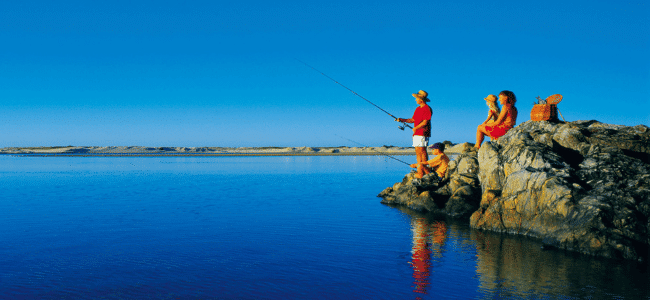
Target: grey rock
[(582, 186), (457, 195)]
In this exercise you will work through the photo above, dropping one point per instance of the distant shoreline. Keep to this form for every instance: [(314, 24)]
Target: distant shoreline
[(116, 151), (202, 154), (113, 151)]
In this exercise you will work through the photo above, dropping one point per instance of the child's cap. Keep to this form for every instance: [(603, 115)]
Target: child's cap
[(439, 146), (490, 98)]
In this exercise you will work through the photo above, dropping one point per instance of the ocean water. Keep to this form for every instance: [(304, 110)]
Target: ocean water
[(262, 228)]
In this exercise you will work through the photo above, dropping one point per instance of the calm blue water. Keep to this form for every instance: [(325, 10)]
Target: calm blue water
[(261, 228)]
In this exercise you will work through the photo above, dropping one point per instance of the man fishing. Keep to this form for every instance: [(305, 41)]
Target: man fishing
[(422, 125)]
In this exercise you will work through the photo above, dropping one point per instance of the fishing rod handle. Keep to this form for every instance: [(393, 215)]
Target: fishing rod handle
[(400, 120)]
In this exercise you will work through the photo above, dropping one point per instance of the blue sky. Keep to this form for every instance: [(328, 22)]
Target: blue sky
[(211, 73)]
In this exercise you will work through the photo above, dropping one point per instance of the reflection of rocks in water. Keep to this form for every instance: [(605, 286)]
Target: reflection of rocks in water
[(510, 266), (514, 267)]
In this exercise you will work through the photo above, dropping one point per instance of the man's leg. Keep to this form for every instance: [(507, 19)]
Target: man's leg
[(426, 154), (421, 154), (422, 170)]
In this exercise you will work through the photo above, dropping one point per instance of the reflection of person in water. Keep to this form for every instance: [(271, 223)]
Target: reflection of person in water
[(427, 240), (421, 262)]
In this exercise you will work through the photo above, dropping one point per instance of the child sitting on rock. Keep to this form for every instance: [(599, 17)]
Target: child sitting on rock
[(438, 164), (493, 114)]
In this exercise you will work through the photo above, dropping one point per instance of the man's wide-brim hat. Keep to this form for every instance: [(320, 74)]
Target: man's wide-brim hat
[(422, 95)]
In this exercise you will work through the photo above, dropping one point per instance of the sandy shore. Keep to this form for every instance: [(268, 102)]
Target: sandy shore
[(205, 151), (213, 151)]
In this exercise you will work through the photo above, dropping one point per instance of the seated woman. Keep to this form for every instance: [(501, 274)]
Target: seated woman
[(506, 120)]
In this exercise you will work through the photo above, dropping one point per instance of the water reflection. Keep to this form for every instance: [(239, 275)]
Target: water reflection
[(428, 242), (511, 266), (467, 263)]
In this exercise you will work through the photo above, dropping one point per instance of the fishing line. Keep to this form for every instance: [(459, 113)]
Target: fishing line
[(353, 92), (374, 150)]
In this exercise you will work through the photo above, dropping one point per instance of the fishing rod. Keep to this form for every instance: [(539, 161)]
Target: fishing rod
[(374, 150), (404, 125)]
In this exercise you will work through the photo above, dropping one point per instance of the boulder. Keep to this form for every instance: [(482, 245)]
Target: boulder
[(582, 186), (457, 195), (459, 148)]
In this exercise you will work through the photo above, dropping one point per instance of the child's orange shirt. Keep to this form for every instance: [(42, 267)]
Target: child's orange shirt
[(440, 164)]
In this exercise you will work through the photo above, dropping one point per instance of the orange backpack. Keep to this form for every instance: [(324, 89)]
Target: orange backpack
[(547, 110)]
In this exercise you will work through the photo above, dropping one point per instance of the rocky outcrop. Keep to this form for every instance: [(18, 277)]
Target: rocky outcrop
[(581, 186), (456, 195)]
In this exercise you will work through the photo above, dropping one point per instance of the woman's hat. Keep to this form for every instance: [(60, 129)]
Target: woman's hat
[(422, 95), (490, 98)]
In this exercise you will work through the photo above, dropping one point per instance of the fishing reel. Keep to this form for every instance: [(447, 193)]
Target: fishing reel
[(403, 126)]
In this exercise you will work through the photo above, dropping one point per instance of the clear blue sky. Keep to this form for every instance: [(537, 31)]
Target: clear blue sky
[(214, 73)]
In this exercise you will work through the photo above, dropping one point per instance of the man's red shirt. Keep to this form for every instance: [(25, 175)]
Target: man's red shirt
[(422, 113)]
